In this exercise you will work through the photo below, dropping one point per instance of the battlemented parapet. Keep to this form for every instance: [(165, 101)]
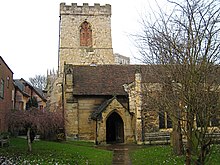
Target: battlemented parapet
[(85, 9)]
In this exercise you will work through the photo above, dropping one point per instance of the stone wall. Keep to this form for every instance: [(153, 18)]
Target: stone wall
[(150, 110), (120, 59), (54, 94), (78, 117), (71, 18), (127, 118), (135, 105), (79, 124)]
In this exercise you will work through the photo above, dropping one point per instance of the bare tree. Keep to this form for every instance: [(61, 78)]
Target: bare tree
[(39, 81), (186, 45)]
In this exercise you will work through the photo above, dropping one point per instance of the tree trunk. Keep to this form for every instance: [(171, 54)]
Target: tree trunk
[(177, 141), (189, 138), (188, 150), (204, 151), (29, 139), (201, 159)]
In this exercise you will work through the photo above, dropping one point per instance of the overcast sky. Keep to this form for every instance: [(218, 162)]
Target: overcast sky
[(29, 32)]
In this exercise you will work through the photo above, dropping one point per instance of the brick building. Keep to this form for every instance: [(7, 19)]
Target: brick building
[(6, 94), (24, 91)]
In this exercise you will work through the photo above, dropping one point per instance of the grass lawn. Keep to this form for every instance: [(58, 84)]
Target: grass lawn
[(45, 152), (78, 152), (157, 155)]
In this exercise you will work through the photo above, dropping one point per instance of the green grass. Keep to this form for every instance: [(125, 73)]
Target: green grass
[(45, 152), (79, 152), (163, 155)]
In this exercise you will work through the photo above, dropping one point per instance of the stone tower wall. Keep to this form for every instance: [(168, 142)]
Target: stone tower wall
[(71, 18)]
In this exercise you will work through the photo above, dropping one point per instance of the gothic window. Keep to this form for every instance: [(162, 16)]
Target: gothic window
[(214, 121), (208, 115), (164, 120), (169, 122), (161, 120), (85, 34)]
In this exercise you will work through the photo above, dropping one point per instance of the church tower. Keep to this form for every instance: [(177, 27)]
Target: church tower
[(85, 35)]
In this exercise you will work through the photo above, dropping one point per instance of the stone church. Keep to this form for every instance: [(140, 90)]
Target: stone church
[(100, 99)]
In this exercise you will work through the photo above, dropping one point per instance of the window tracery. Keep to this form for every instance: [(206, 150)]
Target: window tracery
[(85, 34)]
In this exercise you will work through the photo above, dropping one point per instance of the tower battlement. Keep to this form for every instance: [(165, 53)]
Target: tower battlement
[(97, 9)]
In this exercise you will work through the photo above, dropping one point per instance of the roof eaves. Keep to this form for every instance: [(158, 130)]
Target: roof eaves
[(6, 64), (101, 108), (40, 93)]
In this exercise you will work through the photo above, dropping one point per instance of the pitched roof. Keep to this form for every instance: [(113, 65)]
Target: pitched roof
[(101, 108), (106, 79), (1, 59), (97, 114), (20, 84), (109, 79)]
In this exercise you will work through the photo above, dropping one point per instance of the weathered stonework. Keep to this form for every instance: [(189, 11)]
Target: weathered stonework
[(71, 18), (95, 105), (150, 112), (101, 102), (135, 104), (54, 92), (71, 119), (126, 116)]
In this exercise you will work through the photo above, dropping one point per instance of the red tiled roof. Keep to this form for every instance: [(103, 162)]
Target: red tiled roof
[(105, 79), (109, 79)]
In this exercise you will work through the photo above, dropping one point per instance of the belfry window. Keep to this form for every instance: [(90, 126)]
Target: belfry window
[(85, 34)]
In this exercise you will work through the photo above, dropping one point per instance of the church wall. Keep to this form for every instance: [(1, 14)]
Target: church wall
[(71, 120), (115, 106), (151, 121), (79, 124), (85, 56), (134, 90), (71, 18), (86, 124), (70, 30), (78, 109), (150, 110), (146, 113)]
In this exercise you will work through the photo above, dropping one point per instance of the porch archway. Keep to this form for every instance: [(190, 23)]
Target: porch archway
[(114, 129)]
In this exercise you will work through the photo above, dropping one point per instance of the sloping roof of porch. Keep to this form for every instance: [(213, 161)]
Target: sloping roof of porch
[(101, 108), (97, 114)]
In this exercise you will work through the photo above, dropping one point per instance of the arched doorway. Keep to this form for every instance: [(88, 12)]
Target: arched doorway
[(114, 129)]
